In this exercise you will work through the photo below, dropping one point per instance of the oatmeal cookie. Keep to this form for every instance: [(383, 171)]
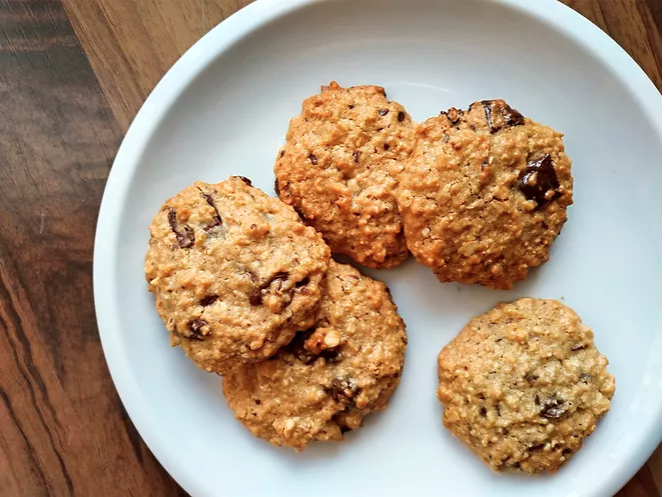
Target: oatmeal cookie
[(235, 273), (484, 194), (339, 169), (332, 375), (523, 385)]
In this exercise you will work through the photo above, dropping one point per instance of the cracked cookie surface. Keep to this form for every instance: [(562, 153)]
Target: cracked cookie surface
[(235, 273), (332, 375), (523, 384), (339, 170), (484, 194)]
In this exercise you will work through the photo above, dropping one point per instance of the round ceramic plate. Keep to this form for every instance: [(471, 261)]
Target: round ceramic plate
[(224, 109)]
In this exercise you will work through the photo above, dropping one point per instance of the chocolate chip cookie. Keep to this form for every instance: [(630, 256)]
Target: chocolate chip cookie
[(235, 273), (485, 194), (339, 169), (332, 375), (523, 385)]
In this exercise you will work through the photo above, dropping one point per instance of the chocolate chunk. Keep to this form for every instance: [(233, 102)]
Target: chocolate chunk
[(184, 235), (356, 156), (297, 347), (216, 218), (247, 181), (500, 115), (278, 278), (210, 299), (585, 377), (195, 328), (331, 355), (400, 116), (539, 179), (482, 411), (312, 158), (530, 377), (255, 297), (553, 408), (383, 112), (342, 389), (386, 146), (453, 115)]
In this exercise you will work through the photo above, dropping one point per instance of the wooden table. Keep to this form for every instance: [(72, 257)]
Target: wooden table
[(73, 73)]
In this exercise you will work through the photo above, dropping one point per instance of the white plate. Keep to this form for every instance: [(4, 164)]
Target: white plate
[(224, 109)]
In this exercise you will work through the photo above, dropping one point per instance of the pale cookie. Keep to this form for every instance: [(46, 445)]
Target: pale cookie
[(339, 169), (323, 383), (484, 194), (523, 385), (235, 273)]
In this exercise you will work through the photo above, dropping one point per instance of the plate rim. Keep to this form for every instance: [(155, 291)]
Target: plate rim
[(193, 62)]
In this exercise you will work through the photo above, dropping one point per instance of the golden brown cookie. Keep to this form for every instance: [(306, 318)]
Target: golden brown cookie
[(235, 273), (331, 376), (339, 166), (484, 194), (523, 385)]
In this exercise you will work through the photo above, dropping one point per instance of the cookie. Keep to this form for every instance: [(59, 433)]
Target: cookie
[(235, 273), (331, 376), (485, 194), (523, 385), (339, 169)]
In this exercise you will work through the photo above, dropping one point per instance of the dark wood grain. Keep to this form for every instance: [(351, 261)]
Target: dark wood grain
[(72, 78), (62, 429)]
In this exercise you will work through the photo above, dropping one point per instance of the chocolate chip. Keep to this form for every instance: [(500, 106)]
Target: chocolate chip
[(553, 408), (210, 299), (530, 377), (351, 106), (536, 447), (500, 115), (342, 389), (312, 158), (356, 156), (383, 112), (247, 181), (386, 146), (281, 154), (184, 235), (539, 179), (536, 399), (579, 346), (482, 411), (195, 328), (400, 116)]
